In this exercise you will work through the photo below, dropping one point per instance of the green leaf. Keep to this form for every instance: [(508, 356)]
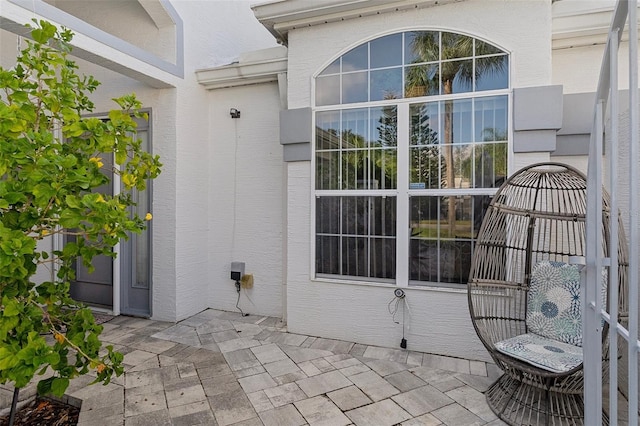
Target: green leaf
[(44, 386), (59, 385), (7, 359), (73, 201), (11, 307)]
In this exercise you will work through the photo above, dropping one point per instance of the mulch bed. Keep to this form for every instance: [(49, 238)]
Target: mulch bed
[(45, 412)]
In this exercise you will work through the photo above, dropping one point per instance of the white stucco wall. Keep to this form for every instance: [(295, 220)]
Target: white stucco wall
[(215, 33), (245, 191), (439, 321), (578, 69)]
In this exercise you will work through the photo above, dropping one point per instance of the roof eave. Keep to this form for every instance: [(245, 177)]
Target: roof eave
[(281, 16)]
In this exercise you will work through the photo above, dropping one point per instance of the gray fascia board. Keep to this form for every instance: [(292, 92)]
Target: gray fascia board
[(77, 25)]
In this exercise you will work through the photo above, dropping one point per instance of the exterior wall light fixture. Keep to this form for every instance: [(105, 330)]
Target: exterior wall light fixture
[(234, 112)]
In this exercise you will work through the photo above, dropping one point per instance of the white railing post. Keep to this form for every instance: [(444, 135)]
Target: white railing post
[(594, 314), (591, 326), (612, 149), (634, 211)]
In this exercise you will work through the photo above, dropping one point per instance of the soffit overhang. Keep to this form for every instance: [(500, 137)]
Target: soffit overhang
[(99, 47), (279, 17), (581, 23), (263, 66)]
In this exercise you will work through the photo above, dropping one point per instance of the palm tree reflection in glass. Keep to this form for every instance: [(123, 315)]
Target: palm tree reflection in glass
[(449, 65)]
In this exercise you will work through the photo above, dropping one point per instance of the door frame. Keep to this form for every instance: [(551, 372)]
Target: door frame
[(117, 263)]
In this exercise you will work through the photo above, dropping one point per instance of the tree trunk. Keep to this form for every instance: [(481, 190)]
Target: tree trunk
[(14, 406), (448, 156)]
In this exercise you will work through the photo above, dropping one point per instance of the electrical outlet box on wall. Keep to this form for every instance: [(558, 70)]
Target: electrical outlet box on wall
[(237, 270)]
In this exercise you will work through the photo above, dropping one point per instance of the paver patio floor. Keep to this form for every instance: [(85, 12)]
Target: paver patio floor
[(220, 368)]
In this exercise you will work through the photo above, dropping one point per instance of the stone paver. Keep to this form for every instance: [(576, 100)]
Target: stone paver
[(220, 368), (269, 353), (285, 394), (473, 401), (387, 354), (258, 382), (382, 413), (287, 415), (260, 401), (323, 383), (191, 414), (320, 411), (349, 398), (231, 407), (405, 381), (280, 368), (422, 400), (457, 414), (374, 386)]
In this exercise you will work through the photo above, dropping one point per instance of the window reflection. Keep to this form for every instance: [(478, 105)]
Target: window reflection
[(386, 84), (422, 80), (357, 149), (457, 76), (356, 59), (332, 68), (456, 150), (427, 63), (458, 143), (492, 73), (490, 119), (355, 87), (355, 236), (386, 51), (421, 46), (328, 90), (442, 243)]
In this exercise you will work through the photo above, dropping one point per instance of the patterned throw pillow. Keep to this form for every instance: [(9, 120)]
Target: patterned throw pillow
[(553, 304)]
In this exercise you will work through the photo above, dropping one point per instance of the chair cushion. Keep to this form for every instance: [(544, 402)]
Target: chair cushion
[(553, 302), (539, 351)]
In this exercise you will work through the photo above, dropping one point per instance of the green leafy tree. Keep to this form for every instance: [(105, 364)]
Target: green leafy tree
[(51, 158)]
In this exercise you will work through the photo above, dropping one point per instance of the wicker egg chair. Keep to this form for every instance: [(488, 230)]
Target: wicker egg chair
[(535, 223)]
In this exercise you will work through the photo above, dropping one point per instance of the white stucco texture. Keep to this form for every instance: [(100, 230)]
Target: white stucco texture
[(439, 320), (245, 191), (523, 28)]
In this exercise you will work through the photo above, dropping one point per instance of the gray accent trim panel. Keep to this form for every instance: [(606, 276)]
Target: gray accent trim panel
[(577, 113), (296, 152), (295, 126), (572, 145), (537, 108), (534, 141), (80, 26)]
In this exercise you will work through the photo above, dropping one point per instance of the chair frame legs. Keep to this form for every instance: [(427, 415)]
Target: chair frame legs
[(519, 403)]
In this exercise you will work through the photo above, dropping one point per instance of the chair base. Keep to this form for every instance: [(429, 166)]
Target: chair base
[(519, 403)]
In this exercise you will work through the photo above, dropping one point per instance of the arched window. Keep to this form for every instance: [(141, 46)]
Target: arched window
[(411, 132)]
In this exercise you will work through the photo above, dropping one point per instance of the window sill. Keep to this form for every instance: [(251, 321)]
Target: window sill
[(440, 289)]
